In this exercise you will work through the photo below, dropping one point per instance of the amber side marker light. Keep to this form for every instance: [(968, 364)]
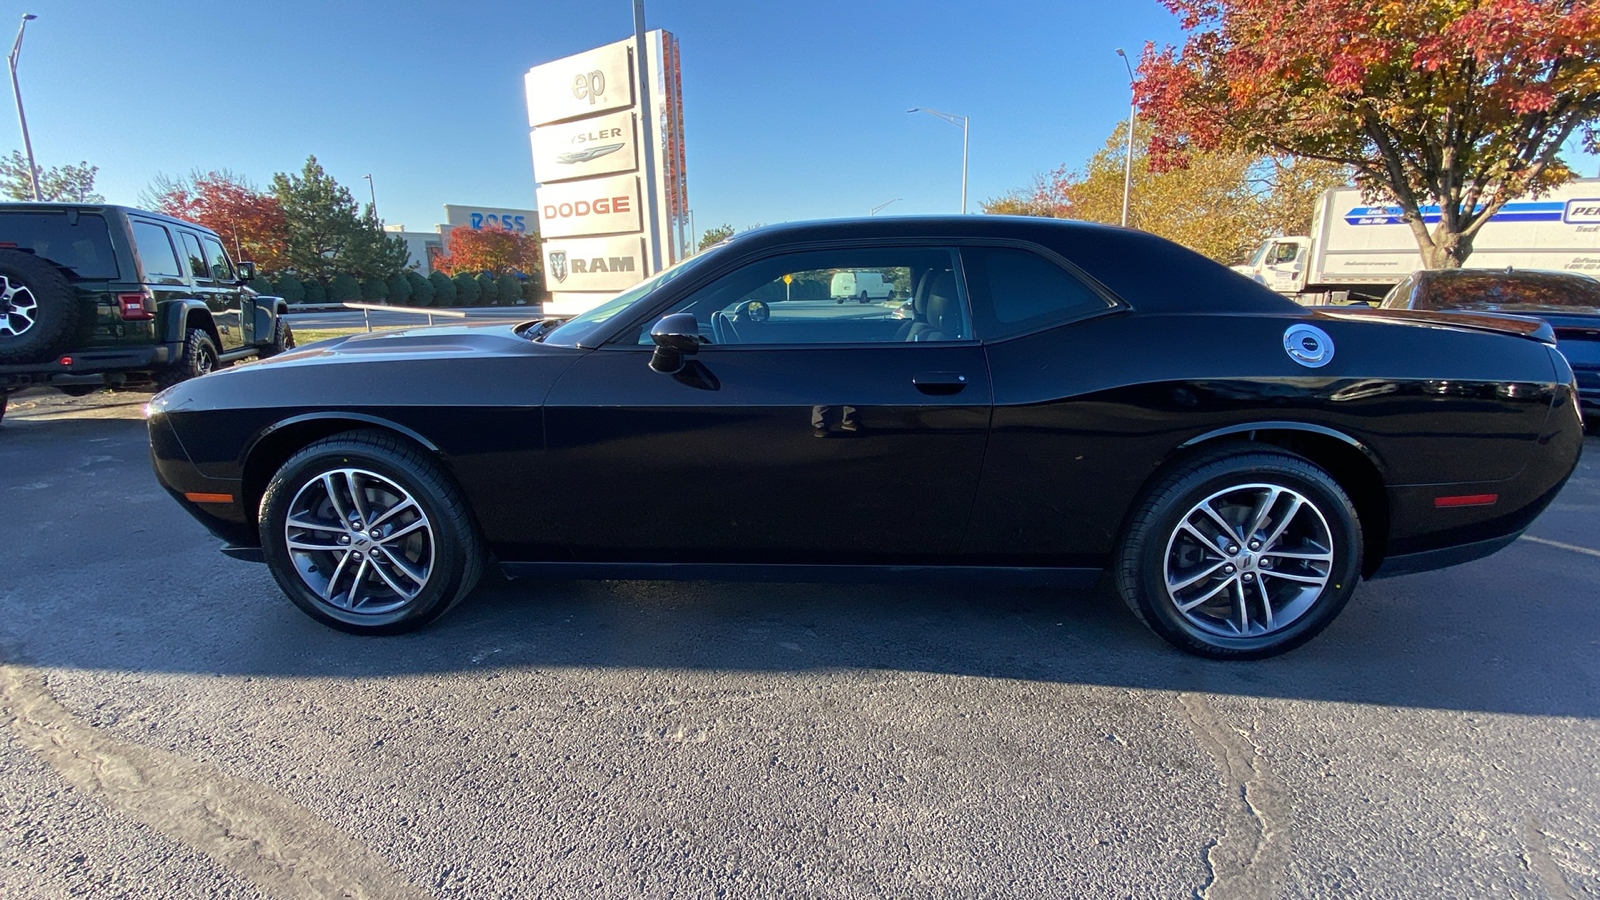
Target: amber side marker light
[(209, 498), (1465, 500)]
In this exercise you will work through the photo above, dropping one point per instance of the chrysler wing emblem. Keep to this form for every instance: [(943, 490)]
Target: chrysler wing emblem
[(587, 153), (558, 265)]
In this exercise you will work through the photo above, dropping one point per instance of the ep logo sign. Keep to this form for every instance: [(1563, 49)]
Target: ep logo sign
[(591, 86)]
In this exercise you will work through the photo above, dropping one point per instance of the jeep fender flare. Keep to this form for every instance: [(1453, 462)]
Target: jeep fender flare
[(267, 313), (186, 314)]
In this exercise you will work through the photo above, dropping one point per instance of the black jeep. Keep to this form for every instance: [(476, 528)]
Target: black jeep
[(97, 295)]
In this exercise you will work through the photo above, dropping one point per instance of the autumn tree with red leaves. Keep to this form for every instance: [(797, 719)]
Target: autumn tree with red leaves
[(1459, 105), (490, 249), (250, 221)]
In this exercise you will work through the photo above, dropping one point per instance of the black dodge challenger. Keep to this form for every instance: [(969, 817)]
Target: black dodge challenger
[(1035, 401)]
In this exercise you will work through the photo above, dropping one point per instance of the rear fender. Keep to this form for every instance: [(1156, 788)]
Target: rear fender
[(183, 315)]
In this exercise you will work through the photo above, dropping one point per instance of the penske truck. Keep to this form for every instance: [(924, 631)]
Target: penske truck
[(1357, 251)]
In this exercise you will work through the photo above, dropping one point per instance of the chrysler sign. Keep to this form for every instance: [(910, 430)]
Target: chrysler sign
[(604, 145)]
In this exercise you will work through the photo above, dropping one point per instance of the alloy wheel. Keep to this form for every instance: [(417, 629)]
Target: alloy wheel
[(18, 308), (1248, 560), (359, 541)]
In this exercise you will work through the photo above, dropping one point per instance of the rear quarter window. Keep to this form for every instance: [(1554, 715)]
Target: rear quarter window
[(80, 243), (156, 255), (1016, 291)]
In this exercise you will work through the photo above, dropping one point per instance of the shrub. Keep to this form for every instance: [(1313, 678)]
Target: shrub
[(488, 290), (399, 289), (290, 288), (260, 285), (510, 290), (533, 288), (467, 291), (344, 288), (444, 289), (421, 289), (374, 290), (315, 292)]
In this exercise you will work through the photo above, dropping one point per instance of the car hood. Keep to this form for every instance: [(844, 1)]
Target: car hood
[(422, 342)]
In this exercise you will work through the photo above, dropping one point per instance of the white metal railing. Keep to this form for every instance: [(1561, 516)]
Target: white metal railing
[(367, 308)]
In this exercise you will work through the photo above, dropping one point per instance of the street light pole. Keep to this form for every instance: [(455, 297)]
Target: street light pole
[(874, 210), (1127, 170), (953, 120), (374, 193), (16, 51)]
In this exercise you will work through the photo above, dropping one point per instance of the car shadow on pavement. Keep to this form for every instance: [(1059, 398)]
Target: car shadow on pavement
[(104, 572)]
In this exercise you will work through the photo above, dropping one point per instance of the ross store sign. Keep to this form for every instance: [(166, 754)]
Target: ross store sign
[(603, 145), (589, 83), (596, 206), (521, 221), (605, 264)]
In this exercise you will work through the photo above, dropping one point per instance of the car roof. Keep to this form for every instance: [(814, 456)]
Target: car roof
[(51, 206)]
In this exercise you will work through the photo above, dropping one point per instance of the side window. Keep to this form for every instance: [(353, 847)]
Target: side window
[(197, 258), (845, 296), (1016, 291), (217, 259), (156, 256)]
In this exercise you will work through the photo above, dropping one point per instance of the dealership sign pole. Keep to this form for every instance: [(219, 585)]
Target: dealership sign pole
[(646, 129)]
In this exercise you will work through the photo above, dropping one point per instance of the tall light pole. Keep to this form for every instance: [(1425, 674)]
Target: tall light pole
[(953, 120), (1127, 170), (16, 51), (874, 211), (374, 193)]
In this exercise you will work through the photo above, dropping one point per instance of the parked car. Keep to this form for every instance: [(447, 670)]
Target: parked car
[(1568, 301), (861, 286), (1067, 401), (92, 294)]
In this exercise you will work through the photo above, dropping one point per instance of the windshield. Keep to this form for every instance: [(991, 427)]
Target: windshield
[(1511, 291), (573, 331)]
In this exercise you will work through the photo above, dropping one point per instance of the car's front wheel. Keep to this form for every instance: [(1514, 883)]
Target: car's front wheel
[(1241, 556), (366, 534)]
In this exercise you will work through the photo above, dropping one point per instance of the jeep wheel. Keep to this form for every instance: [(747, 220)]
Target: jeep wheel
[(282, 340), (365, 534), (38, 309), (199, 357), (4, 399)]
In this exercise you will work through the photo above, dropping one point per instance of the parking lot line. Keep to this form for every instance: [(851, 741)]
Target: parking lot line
[(1573, 547)]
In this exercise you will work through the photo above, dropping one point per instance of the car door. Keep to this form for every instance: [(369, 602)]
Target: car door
[(804, 431), (215, 285)]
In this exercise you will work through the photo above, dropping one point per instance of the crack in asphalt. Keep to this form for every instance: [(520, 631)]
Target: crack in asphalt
[(1250, 858), (281, 846)]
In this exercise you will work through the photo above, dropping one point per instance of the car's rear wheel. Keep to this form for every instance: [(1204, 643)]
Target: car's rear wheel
[(1241, 556), (862, 298), (282, 340), (38, 309), (366, 534), (199, 358)]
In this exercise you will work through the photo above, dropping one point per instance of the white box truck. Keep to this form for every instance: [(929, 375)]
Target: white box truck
[(1357, 251)]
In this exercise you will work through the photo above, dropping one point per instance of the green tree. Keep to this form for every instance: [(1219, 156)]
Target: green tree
[(444, 289), (421, 288), (374, 290), (510, 290), (713, 236), (533, 288), (56, 183), (327, 233), (344, 288), (290, 288), (467, 291), (315, 292), (399, 289), (261, 285), (488, 290)]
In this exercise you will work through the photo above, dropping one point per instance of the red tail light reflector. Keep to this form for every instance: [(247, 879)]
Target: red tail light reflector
[(135, 307), (1466, 500)]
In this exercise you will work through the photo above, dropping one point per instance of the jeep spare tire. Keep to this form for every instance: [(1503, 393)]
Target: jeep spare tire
[(38, 309)]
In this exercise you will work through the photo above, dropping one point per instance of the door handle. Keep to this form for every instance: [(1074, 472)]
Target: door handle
[(939, 382)]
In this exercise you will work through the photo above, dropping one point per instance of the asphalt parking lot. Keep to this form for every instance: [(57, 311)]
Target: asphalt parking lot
[(173, 727)]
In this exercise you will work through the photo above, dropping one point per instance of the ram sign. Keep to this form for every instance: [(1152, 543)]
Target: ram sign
[(590, 160)]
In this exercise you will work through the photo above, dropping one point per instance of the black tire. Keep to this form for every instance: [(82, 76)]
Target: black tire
[(5, 398), (446, 550), (282, 340), (1155, 543), (839, 300), (862, 298), (199, 358), (39, 311)]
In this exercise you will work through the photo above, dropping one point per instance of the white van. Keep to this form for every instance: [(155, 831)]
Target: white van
[(862, 286)]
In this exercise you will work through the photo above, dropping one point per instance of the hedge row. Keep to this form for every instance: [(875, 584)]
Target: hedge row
[(407, 289)]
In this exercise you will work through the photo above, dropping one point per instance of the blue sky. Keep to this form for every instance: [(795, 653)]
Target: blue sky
[(792, 110)]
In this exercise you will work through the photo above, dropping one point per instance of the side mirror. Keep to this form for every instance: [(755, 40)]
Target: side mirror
[(676, 336), (247, 271)]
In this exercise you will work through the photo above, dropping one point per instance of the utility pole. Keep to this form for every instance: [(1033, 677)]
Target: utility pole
[(1127, 169), (953, 120), (374, 193), (16, 51)]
